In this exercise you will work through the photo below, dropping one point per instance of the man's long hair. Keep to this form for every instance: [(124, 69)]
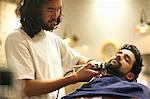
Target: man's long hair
[(30, 18), (137, 66)]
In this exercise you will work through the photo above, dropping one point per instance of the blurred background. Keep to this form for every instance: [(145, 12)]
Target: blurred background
[(95, 28)]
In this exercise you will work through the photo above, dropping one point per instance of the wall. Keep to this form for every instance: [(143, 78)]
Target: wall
[(93, 21), (97, 21), (145, 75), (8, 22)]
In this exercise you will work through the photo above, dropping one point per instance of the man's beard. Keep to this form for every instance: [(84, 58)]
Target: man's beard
[(114, 68), (50, 25)]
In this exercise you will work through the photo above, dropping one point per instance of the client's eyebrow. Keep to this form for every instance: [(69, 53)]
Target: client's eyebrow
[(119, 52)]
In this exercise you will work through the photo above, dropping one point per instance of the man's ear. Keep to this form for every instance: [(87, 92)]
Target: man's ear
[(130, 76)]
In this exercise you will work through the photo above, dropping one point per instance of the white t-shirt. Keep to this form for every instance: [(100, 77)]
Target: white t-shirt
[(41, 57)]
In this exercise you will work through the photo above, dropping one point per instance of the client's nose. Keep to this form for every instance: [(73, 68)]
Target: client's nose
[(118, 58)]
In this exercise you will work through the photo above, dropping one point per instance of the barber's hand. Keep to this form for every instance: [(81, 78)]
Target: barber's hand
[(85, 73), (101, 71)]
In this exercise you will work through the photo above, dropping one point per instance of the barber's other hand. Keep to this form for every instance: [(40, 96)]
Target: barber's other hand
[(85, 73)]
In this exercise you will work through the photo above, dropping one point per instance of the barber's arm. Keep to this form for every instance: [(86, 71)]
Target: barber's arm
[(39, 87)]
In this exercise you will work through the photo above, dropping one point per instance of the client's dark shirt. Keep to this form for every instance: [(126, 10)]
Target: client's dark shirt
[(111, 86)]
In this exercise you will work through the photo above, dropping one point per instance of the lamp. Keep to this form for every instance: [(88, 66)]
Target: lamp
[(144, 26)]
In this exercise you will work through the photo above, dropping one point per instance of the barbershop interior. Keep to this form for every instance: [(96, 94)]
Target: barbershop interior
[(94, 28)]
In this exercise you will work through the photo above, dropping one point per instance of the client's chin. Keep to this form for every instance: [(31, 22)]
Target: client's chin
[(113, 68)]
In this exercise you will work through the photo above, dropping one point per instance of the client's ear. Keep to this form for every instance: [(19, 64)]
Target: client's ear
[(130, 76)]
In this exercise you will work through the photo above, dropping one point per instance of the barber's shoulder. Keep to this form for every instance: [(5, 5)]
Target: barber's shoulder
[(16, 35)]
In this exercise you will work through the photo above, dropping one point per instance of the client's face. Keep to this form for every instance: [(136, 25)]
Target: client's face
[(121, 63)]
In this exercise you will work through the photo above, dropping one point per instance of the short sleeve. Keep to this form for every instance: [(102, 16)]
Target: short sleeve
[(69, 56), (18, 56)]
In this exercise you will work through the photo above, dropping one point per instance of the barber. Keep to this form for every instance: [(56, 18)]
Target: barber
[(36, 55)]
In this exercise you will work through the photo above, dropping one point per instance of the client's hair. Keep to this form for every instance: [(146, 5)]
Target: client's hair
[(137, 66)]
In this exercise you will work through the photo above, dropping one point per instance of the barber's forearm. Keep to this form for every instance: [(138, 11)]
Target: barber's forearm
[(40, 87)]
